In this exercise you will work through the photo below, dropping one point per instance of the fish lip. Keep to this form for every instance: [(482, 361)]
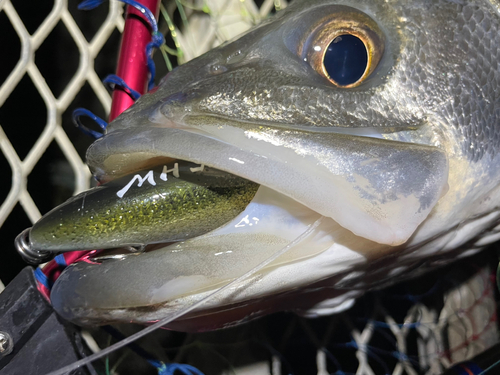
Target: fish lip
[(157, 120)]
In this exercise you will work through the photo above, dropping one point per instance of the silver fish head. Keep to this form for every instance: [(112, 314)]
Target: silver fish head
[(375, 118)]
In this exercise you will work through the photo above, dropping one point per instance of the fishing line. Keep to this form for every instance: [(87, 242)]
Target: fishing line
[(176, 315), (494, 365)]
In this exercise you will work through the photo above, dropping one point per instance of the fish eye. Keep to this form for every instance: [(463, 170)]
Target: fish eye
[(344, 47), (345, 60)]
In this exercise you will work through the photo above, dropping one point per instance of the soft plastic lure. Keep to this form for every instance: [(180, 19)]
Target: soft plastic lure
[(152, 206)]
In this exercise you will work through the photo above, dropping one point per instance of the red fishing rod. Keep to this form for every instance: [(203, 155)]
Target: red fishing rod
[(132, 61)]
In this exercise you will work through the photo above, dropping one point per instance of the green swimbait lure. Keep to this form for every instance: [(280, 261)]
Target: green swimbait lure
[(152, 206)]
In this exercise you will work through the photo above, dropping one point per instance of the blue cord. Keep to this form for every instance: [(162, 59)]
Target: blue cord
[(89, 4), (156, 41), (61, 261), (335, 361), (113, 81), (171, 368), (163, 368), (42, 279), (157, 38), (369, 352), (77, 113), (414, 298)]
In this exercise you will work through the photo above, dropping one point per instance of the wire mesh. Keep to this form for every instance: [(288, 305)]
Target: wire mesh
[(56, 64), (38, 167)]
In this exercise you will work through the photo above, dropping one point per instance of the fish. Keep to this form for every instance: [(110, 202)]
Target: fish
[(371, 130)]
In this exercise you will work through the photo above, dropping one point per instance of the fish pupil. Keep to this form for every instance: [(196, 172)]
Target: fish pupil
[(346, 59)]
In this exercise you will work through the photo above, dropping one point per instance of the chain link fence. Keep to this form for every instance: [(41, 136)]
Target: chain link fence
[(54, 60)]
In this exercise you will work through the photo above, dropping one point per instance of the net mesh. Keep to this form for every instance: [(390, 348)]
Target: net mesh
[(56, 61)]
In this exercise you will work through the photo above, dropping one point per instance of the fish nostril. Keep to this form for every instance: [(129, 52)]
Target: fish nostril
[(217, 69), (235, 57)]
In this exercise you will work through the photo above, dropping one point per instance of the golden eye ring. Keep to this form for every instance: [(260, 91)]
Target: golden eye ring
[(344, 21)]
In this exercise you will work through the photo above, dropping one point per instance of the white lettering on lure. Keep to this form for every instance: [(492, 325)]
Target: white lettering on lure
[(174, 170), (150, 177), (245, 221)]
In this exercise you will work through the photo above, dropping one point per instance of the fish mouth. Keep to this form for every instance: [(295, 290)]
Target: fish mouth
[(370, 194), (378, 189)]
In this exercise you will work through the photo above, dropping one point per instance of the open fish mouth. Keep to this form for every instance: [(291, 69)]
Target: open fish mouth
[(368, 185), (361, 188)]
